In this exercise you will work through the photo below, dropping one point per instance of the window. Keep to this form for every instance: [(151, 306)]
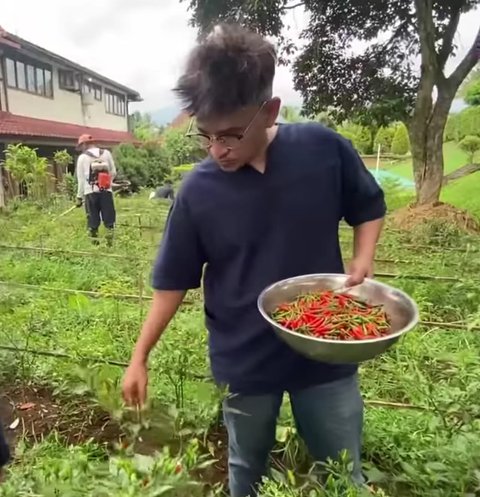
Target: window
[(96, 89), (115, 103), (40, 81), (11, 76), (48, 82), (68, 80), (33, 78), (21, 76)]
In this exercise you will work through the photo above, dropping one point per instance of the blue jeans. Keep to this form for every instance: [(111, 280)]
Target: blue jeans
[(329, 418)]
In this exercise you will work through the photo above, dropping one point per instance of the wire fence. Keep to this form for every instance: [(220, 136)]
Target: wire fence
[(79, 253), (80, 359), (141, 297)]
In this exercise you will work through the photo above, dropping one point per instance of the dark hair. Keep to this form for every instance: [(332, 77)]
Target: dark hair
[(230, 69)]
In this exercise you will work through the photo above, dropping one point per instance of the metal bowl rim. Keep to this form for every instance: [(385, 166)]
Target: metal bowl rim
[(413, 322)]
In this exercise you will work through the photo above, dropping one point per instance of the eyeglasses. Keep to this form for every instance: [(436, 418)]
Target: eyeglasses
[(229, 141)]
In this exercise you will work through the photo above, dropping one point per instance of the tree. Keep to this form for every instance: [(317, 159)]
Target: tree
[(470, 145), (326, 119), (468, 122), (142, 126), (2, 188), (27, 168), (400, 142), (359, 135), (291, 114), (472, 95), (381, 82), (384, 138), (470, 80)]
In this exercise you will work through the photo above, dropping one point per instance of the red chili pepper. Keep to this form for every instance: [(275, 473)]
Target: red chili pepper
[(334, 316)]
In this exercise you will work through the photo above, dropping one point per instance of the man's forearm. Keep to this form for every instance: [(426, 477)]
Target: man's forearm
[(365, 238), (164, 307)]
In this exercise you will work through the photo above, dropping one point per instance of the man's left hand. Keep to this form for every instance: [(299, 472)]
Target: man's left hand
[(359, 269)]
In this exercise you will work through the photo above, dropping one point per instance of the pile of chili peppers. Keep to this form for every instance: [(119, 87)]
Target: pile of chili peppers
[(333, 316)]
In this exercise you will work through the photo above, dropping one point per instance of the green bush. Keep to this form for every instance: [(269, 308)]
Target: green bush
[(451, 129), (468, 122), (360, 136), (472, 95), (401, 141), (384, 138), (470, 145), (151, 163), (143, 166)]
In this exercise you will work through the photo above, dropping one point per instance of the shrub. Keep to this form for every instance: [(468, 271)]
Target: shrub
[(472, 95), (401, 142), (451, 129), (360, 136), (384, 138), (152, 163), (470, 145), (28, 169), (468, 122)]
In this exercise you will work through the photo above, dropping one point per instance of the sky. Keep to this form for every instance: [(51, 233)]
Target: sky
[(141, 43)]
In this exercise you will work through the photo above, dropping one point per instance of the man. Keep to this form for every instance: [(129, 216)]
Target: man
[(95, 174), (264, 206), (165, 191)]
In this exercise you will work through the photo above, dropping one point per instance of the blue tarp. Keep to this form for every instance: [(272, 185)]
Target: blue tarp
[(383, 175)]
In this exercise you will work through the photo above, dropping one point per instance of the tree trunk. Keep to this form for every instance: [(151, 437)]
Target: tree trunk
[(426, 138), (2, 189)]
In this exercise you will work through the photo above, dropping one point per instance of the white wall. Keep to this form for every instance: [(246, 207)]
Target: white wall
[(65, 106)]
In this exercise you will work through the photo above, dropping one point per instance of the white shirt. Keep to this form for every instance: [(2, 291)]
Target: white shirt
[(83, 170)]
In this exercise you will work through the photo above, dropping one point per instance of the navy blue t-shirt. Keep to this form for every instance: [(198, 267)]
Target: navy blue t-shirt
[(250, 230)]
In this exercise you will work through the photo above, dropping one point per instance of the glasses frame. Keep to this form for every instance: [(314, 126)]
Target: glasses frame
[(217, 138)]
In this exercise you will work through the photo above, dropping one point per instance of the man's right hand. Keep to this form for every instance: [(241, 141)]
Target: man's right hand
[(135, 384), (79, 202)]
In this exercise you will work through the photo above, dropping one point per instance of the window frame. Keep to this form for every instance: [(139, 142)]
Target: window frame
[(30, 77), (75, 80), (115, 103), (94, 88)]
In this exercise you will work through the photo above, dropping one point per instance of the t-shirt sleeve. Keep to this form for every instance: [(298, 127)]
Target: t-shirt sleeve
[(180, 258), (363, 199)]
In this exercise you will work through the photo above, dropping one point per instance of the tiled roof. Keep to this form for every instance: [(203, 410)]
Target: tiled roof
[(12, 125)]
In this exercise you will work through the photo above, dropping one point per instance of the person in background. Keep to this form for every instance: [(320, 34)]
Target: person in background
[(265, 206), (95, 174), (4, 451), (165, 191)]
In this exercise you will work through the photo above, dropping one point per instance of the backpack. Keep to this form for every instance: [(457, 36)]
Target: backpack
[(99, 172)]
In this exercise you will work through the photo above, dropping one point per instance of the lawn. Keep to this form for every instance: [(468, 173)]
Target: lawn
[(453, 158), (464, 193), (70, 314)]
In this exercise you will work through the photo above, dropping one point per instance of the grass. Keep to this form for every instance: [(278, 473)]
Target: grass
[(453, 158), (432, 451), (464, 193)]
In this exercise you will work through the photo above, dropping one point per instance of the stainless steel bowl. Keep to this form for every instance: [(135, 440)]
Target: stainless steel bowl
[(401, 309)]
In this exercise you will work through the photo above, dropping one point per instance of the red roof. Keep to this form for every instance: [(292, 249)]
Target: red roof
[(12, 125)]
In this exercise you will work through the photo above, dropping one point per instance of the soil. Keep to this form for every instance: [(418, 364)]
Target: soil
[(33, 413), (39, 414), (411, 217)]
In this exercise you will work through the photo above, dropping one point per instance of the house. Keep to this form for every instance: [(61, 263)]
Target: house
[(47, 101)]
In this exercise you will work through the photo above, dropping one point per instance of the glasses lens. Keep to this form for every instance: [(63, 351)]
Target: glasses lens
[(204, 141), (229, 141)]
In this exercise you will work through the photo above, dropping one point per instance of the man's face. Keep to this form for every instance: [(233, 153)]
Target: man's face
[(241, 136)]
